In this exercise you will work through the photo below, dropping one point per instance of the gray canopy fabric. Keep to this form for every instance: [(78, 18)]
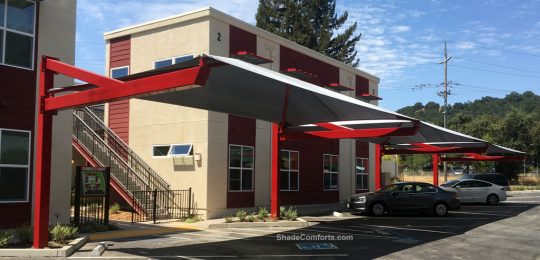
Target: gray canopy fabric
[(240, 88)]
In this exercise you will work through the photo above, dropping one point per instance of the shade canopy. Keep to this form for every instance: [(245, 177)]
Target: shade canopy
[(240, 88)]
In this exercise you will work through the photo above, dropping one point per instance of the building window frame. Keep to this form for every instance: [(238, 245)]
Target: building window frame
[(329, 171), (359, 173), (27, 165), (289, 170), (173, 60), (118, 68), (241, 168), (3, 31), (170, 149)]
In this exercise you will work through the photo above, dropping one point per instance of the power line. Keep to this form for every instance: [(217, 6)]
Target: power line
[(497, 65), (503, 50), (498, 72)]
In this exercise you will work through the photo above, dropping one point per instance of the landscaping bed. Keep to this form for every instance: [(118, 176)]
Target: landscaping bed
[(242, 218)]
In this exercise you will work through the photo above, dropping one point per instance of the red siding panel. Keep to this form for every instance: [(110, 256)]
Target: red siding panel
[(311, 172), (325, 72), (241, 131), (17, 111), (362, 85), (240, 40), (119, 52), (362, 149)]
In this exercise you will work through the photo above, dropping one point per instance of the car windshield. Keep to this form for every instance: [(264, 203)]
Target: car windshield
[(389, 188), (450, 183)]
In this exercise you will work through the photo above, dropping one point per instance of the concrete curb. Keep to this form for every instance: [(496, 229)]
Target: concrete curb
[(299, 223), (46, 252), (117, 234)]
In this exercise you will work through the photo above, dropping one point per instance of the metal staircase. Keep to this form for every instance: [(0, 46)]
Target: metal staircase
[(128, 170)]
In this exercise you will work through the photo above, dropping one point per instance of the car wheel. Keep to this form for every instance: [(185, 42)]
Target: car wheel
[(440, 209), (492, 199), (378, 209)]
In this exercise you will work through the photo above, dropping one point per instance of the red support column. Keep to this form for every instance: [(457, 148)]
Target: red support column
[(274, 197), (378, 160), (43, 161), (435, 158)]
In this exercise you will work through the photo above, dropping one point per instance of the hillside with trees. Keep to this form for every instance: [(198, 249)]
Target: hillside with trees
[(512, 121)]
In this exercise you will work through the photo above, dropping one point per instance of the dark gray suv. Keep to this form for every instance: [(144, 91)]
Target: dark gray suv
[(405, 196)]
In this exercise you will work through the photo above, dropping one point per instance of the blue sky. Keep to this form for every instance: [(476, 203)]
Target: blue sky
[(495, 44)]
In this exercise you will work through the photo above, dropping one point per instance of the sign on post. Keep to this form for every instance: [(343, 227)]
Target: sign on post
[(91, 195)]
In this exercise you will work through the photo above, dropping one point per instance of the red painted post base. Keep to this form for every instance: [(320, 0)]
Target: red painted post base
[(274, 188), (435, 158)]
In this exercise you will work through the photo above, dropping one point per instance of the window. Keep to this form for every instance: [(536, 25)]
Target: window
[(17, 22), (241, 160), (14, 165), (119, 72), (362, 166), (425, 188), (170, 150), (330, 172), (170, 61), (289, 170)]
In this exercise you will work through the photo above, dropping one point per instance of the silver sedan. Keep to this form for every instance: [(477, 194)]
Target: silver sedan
[(469, 191)]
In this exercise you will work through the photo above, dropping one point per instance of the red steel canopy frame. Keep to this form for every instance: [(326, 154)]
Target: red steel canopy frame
[(103, 89), (107, 90)]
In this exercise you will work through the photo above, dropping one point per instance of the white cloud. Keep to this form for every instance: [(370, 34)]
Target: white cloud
[(400, 28)]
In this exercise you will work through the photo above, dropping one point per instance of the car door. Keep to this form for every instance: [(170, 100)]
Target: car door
[(401, 199), (424, 196), (482, 190), (463, 190)]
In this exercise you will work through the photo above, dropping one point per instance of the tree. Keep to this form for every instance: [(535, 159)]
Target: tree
[(313, 24)]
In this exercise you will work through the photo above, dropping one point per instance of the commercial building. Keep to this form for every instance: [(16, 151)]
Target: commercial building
[(29, 29), (224, 158)]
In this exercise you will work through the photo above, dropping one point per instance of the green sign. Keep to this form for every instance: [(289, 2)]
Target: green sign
[(93, 180)]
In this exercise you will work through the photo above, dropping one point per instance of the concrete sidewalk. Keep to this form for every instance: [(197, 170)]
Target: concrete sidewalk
[(128, 229)]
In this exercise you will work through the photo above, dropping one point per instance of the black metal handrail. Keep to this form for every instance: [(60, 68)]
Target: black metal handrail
[(121, 148), (107, 157)]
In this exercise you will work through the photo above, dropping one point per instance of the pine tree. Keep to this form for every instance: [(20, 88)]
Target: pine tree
[(312, 23)]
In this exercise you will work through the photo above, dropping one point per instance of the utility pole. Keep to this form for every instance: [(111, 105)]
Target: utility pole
[(445, 96)]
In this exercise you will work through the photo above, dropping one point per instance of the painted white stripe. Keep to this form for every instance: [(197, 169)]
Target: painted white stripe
[(412, 229), (206, 256)]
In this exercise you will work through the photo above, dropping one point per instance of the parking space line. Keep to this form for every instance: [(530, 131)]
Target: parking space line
[(317, 229), (487, 214), (242, 233), (208, 256), (412, 229)]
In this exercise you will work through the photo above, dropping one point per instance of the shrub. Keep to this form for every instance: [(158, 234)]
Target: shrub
[(282, 211), (62, 233), (25, 234), (290, 214), (228, 219), (115, 208), (250, 218), (5, 238), (241, 215), (192, 219), (263, 213)]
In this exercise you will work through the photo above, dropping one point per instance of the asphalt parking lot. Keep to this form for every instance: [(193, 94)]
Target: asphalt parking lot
[(510, 230)]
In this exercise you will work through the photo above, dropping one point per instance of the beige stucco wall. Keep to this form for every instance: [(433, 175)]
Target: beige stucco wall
[(153, 123), (57, 39)]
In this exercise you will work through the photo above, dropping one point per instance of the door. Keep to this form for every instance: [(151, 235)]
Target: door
[(480, 191), (402, 198), (464, 191), (424, 196)]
